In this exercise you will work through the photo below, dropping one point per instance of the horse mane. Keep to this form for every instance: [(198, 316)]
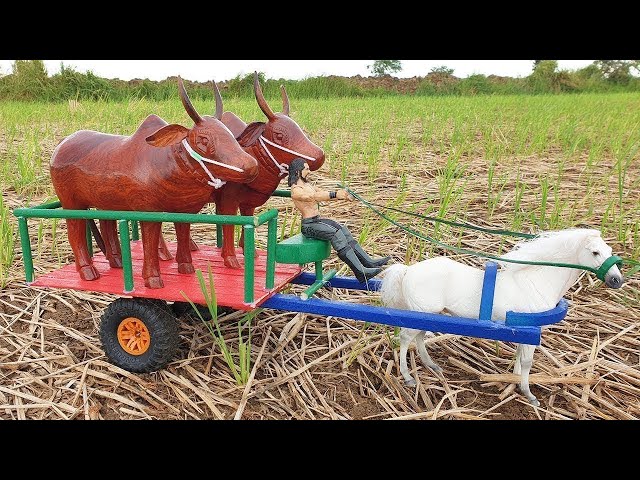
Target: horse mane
[(549, 246)]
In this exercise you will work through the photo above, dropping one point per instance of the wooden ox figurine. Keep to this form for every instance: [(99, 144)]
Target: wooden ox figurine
[(160, 167), (274, 144)]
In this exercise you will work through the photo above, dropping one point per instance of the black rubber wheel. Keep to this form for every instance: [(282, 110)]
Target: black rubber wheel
[(138, 335)]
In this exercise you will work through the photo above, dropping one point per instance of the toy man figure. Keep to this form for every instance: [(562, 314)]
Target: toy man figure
[(306, 197)]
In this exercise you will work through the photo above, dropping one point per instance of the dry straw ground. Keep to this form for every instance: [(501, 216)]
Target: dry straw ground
[(312, 367)]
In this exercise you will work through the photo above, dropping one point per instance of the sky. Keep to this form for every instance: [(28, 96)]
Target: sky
[(221, 70)]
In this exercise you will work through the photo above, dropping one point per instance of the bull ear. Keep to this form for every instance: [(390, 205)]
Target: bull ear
[(251, 134), (167, 135)]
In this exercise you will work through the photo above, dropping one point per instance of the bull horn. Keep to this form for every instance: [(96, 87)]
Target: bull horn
[(264, 106), (285, 100), (195, 116), (218, 101)]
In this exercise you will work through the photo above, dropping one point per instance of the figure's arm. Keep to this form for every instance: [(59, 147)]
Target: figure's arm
[(319, 195)]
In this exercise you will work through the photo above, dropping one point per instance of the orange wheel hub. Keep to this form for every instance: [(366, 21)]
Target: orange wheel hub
[(134, 336)]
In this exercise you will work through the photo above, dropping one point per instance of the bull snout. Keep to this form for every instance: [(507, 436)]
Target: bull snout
[(317, 163), (236, 166)]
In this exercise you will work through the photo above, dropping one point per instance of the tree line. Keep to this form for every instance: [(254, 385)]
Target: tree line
[(29, 81)]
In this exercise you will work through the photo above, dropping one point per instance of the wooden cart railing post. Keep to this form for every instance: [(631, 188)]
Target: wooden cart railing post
[(127, 268), (25, 242), (249, 262)]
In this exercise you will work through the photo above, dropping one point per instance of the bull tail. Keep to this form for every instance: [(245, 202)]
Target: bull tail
[(391, 288), (96, 234)]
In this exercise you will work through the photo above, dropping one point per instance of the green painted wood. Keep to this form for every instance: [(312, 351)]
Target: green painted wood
[(25, 242), (249, 262), (300, 249), (127, 268), (272, 240), (135, 233), (318, 283)]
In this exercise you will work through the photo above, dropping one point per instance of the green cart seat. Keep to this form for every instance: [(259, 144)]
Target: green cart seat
[(300, 249)]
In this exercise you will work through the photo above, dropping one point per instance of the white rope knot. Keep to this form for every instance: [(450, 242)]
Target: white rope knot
[(283, 167), (214, 182)]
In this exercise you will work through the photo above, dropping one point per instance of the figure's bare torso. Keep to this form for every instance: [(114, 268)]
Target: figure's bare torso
[(307, 208)]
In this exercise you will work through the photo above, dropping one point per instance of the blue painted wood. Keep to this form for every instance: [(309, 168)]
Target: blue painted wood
[(517, 319), (488, 290), (306, 278), (406, 318)]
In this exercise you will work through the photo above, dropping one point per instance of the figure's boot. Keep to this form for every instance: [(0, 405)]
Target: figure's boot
[(366, 260), (362, 273)]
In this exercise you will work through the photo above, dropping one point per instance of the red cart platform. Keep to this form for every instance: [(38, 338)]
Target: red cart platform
[(228, 282)]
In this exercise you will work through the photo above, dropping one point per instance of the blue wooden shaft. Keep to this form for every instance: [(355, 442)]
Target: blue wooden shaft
[(307, 278), (488, 290), (406, 318)]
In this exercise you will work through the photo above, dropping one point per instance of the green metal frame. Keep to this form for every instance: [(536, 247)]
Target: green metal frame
[(249, 223), (128, 228)]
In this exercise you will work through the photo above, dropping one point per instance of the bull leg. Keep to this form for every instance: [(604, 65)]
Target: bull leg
[(183, 254), (109, 232), (163, 250), (226, 206), (228, 250), (193, 246), (76, 231), (249, 211), (151, 264)]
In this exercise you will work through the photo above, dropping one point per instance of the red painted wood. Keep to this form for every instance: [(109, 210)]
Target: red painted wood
[(229, 282)]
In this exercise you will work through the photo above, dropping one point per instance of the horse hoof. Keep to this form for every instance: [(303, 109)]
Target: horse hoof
[(153, 282), (89, 272), (534, 401), (186, 268), (436, 369), (410, 383), (164, 254), (231, 262), (115, 262)]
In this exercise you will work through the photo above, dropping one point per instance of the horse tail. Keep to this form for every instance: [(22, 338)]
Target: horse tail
[(391, 288)]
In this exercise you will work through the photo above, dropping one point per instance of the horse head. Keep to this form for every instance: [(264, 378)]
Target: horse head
[(594, 253), (209, 142)]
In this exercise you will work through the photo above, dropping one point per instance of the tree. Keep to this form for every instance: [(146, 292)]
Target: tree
[(383, 67), (442, 69), (29, 79), (617, 71)]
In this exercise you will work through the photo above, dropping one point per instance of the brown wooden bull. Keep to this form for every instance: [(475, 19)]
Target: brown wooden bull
[(160, 167), (274, 145)]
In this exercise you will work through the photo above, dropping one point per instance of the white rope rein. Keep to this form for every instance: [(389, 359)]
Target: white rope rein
[(214, 182), (283, 167)]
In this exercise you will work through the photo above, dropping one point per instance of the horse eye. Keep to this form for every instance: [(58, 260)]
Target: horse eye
[(595, 254), (204, 141)]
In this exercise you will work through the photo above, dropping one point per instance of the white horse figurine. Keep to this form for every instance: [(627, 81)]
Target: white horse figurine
[(440, 285)]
